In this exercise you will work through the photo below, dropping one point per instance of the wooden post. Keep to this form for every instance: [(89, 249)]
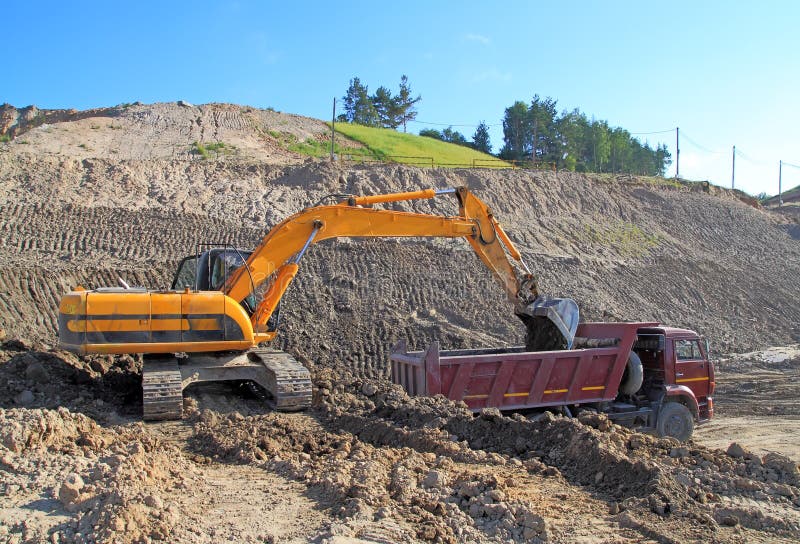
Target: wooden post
[(780, 192), (733, 169), (677, 152)]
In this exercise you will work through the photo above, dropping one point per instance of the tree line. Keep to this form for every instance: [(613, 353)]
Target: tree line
[(571, 141), (380, 109), (533, 132)]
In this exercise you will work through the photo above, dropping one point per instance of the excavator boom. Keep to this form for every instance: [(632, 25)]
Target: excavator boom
[(124, 320)]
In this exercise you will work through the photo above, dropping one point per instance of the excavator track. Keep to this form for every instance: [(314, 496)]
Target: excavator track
[(287, 381), (162, 390)]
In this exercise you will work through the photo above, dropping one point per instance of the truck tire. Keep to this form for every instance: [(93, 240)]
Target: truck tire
[(633, 377), (675, 420)]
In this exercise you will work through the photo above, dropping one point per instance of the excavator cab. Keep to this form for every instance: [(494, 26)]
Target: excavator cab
[(209, 270)]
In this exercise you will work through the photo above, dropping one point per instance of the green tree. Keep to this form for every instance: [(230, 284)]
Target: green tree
[(516, 132), (358, 106), (385, 107), (601, 145), (663, 159), (431, 133), (405, 104), (621, 150), (480, 140), (570, 128), (542, 113), (454, 137)]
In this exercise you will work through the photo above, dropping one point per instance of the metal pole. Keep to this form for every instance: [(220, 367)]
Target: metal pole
[(780, 192), (677, 152), (733, 169), (333, 126)]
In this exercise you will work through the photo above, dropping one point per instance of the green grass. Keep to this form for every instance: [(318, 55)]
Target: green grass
[(627, 238), (316, 148), (391, 145), (217, 148)]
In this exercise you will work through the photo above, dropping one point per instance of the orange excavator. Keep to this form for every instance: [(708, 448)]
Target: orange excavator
[(221, 308)]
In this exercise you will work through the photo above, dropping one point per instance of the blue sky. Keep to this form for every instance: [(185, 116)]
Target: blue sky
[(725, 72)]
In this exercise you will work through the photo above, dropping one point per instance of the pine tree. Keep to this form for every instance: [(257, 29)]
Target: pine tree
[(516, 132), (405, 104), (480, 140), (385, 107), (358, 106)]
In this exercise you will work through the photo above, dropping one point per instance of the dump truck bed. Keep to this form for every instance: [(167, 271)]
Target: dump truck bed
[(514, 379)]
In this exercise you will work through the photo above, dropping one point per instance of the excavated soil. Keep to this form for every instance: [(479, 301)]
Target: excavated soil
[(368, 463)]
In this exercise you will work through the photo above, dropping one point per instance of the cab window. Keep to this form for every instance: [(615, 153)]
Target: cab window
[(687, 350), (187, 274)]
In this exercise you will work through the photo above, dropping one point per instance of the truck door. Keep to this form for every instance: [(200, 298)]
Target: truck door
[(690, 366)]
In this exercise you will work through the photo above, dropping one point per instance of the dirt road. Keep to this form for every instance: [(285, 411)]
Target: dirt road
[(758, 402)]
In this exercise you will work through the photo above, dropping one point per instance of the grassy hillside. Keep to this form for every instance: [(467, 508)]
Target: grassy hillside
[(388, 144)]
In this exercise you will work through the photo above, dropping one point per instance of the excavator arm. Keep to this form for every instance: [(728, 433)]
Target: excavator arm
[(125, 320), (276, 258)]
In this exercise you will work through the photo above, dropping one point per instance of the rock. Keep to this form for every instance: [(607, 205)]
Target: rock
[(737, 450), (368, 389), (98, 366), (613, 509), (469, 489), (636, 442), (434, 478), (678, 453), (595, 420), (730, 521), (25, 398), (185, 104), (781, 463), (491, 414), (2, 335), (546, 417), (17, 344), (154, 501), (70, 489), (35, 371)]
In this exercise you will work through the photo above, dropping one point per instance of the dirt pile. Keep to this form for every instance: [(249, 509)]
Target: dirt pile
[(455, 478), (95, 484)]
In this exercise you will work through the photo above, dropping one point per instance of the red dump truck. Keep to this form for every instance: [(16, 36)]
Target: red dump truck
[(643, 375)]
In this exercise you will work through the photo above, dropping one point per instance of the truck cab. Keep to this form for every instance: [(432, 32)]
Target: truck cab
[(678, 378)]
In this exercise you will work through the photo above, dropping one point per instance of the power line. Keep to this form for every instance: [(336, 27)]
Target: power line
[(701, 147), (749, 159), (790, 164), (654, 132), (453, 124)]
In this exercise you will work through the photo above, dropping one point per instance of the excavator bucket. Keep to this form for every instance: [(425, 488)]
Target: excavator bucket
[(550, 322)]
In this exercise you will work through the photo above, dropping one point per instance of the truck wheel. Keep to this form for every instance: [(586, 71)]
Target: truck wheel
[(675, 420), (633, 377)]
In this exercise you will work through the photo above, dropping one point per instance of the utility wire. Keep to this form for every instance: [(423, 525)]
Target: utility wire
[(739, 153), (701, 147), (452, 124), (654, 132), (790, 164)]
